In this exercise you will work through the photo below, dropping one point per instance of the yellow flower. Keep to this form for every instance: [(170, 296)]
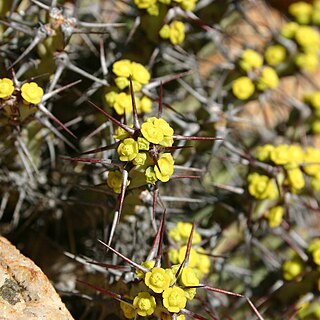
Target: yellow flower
[(313, 99), (173, 256), (122, 68), (6, 88), (145, 105), (315, 183), (114, 181), (174, 299), (274, 216), (296, 155), (157, 131), (188, 277), (172, 276), (280, 154), (250, 59), (307, 61), (121, 134), (111, 97), (143, 144), (144, 4), (289, 29), (292, 268), (262, 187), (301, 11), (128, 311), (275, 54), (177, 32), (123, 103), (296, 179), (140, 73), (308, 38), (312, 156), (150, 175), (31, 93), (188, 5), (148, 264), (153, 10), (157, 280), (122, 82), (184, 229), (263, 152), (164, 32), (145, 304), (128, 149), (243, 88), (165, 167), (314, 245), (268, 79), (193, 257), (140, 159)]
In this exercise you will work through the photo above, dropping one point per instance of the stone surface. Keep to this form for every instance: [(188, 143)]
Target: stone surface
[(25, 292)]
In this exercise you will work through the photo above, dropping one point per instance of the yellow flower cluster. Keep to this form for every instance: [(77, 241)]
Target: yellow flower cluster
[(146, 150), (308, 41), (122, 101), (152, 6), (274, 216), (306, 13), (295, 160), (292, 268), (275, 54), (114, 181), (30, 91), (198, 260), (175, 32), (263, 77), (162, 289)]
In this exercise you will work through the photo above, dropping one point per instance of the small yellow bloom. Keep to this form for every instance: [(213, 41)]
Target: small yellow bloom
[(188, 277), (140, 159), (275, 54), (203, 262), (315, 183), (301, 11), (268, 79), (114, 181), (165, 167), (122, 68), (6, 88), (313, 99), (121, 82), (150, 175), (31, 93), (111, 97), (250, 59), (157, 131), (190, 293), (148, 264), (165, 32), (184, 229), (121, 134), (314, 245), (307, 61), (174, 299), (123, 103), (173, 256), (262, 187), (295, 178), (243, 88), (289, 29), (177, 32), (263, 152), (172, 276), (280, 155), (128, 149), (274, 216), (143, 144), (140, 73), (145, 304), (128, 311), (153, 10), (292, 268), (188, 5), (157, 280), (296, 154), (308, 38), (316, 256)]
